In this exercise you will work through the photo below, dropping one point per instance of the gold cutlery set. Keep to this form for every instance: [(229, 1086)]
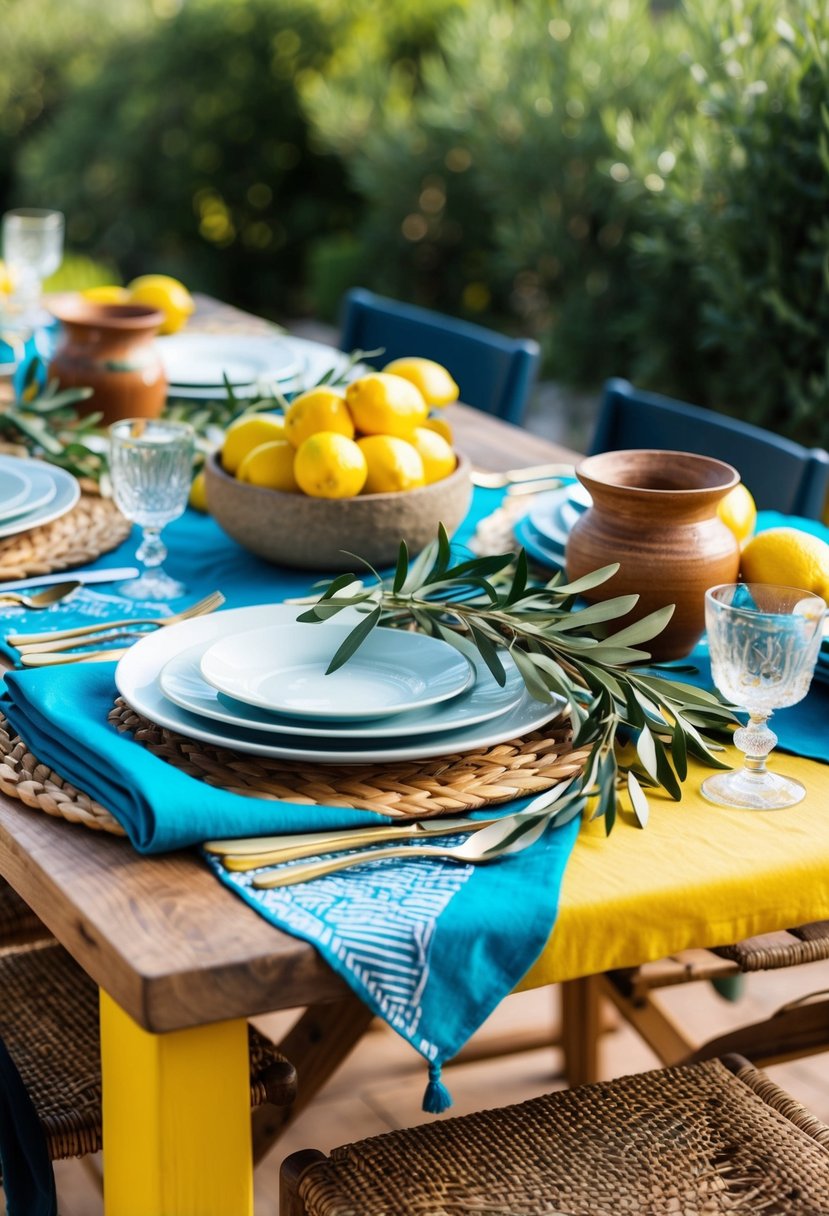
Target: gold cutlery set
[(60, 645)]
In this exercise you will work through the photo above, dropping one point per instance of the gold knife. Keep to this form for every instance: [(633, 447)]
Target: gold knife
[(257, 851)]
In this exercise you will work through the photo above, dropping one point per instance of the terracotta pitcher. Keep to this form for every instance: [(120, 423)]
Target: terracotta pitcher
[(656, 513), (109, 348)]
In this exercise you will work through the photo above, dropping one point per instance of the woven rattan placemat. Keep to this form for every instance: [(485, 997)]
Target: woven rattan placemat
[(91, 528), (403, 789)]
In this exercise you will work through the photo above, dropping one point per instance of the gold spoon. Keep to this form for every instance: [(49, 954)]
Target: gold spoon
[(41, 599)]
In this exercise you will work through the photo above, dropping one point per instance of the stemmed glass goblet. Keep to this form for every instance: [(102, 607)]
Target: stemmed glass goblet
[(32, 249), (151, 466), (764, 642)]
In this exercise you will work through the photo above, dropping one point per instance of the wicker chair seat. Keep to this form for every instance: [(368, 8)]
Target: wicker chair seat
[(49, 1022), (705, 1138), (790, 948)]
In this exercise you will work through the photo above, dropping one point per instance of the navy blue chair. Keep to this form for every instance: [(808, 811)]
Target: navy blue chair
[(493, 372), (782, 475)]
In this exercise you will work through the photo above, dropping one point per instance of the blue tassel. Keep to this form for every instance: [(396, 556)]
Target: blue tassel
[(437, 1098)]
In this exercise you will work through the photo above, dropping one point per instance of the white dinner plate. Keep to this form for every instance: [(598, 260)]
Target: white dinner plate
[(44, 477), (137, 673), (282, 669), (312, 361), (40, 487), (15, 487), (182, 682), (199, 361)]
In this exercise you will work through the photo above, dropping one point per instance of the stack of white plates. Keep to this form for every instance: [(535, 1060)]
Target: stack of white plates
[(253, 679), (33, 493), (543, 531), (196, 364)]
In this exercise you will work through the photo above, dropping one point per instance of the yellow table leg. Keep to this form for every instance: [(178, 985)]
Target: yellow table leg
[(176, 1110)]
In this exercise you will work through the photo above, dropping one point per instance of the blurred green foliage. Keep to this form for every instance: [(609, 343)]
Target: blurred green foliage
[(643, 186)]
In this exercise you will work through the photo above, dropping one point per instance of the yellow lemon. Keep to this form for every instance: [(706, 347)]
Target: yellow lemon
[(247, 433), (109, 294), (166, 294), (270, 465), (381, 404), (433, 380), (789, 557), (438, 458), (738, 512), (442, 427), (198, 493), (393, 464), (320, 409), (6, 280), (330, 465)]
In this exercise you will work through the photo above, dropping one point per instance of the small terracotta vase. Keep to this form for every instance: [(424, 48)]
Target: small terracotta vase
[(656, 514), (109, 348)]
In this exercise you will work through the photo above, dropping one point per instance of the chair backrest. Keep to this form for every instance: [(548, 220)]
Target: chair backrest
[(495, 373), (782, 475)]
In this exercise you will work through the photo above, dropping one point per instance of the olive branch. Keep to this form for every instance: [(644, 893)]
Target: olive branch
[(561, 648)]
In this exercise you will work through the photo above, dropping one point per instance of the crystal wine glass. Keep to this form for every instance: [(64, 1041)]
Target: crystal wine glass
[(764, 642), (151, 465), (32, 249)]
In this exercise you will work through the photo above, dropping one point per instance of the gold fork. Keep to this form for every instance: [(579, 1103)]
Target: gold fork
[(53, 640), (38, 659)]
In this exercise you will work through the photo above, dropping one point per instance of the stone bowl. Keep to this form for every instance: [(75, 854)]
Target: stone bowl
[(315, 533)]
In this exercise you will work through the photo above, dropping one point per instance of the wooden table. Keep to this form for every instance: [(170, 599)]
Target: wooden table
[(181, 963)]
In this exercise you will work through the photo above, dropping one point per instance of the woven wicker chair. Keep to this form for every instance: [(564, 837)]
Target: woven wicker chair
[(709, 1138), (18, 923), (799, 1028), (49, 1022)]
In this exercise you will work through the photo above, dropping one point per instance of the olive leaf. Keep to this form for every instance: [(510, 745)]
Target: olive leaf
[(562, 648)]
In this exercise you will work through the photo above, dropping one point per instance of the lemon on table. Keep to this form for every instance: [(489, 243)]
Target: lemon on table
[(442, 427), (198, 493), (320, 409), (438, 458), (330, 465), (433, 380), (789, 557), (107, 294), (6, 280), (247, 433), (381, 404), (738, 512), (393, 464), (270, 465), (167, 295)]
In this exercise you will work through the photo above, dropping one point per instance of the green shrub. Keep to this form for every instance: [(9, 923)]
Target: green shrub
[(487, 180), (188, 151), (733, 306)]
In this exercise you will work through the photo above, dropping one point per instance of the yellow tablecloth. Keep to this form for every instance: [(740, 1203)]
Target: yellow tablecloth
[(698, 875)]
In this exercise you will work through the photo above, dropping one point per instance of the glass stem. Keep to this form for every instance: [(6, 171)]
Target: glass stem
[(755, 740), (152, 551)]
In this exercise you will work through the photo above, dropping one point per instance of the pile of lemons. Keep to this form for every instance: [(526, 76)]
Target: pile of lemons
[(373, 437), (159, 291), (784, 555)]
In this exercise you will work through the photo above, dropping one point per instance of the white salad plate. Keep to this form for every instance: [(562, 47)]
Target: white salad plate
[(199, 361), (282, 669), (137, 679), (311, 362), (53, 490), (182, 682)]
